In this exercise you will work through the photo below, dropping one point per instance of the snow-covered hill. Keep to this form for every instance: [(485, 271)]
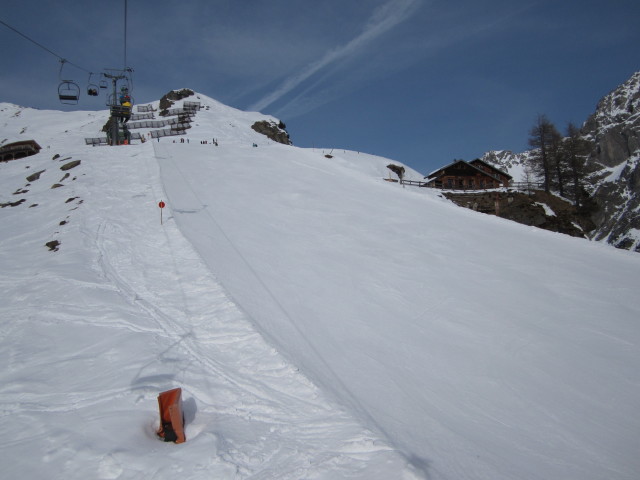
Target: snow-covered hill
[(322, 323)]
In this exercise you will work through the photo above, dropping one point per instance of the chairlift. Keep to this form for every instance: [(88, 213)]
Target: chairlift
[(92, 88), (129, 78), (111, 100), (103, 84), (68, 90), (124, 85)]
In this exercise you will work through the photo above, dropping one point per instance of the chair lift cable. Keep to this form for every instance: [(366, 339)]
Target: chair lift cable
[(69, 86), (43, 47), (125, 34)]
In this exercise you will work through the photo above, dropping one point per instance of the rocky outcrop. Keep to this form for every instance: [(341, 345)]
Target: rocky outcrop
[(613, 182), (168, 100), (35, 176), (615, 125), (537, 209), (615, 162), (70, 165), (397, 169), (276, 132)]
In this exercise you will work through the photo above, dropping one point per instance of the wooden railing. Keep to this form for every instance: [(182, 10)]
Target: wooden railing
[(415, 183), (520, 186)]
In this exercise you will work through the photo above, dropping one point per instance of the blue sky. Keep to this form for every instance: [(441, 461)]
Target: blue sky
[(419, 81)]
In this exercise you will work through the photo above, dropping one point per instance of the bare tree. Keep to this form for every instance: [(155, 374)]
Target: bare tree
[(542, 137), (528, 177), (559, 162)]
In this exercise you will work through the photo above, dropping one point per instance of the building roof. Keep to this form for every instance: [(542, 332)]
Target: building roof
[(22, 143), (492, 167), (472, 166), (22, 148)]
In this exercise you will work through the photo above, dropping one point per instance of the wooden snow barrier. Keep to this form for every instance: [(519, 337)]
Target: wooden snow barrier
[(171, 416)]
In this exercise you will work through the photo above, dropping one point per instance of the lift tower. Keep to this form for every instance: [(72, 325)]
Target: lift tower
[(120, 113)]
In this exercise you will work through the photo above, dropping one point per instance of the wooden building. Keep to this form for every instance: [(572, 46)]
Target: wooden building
[(15, 150), (474, 175)]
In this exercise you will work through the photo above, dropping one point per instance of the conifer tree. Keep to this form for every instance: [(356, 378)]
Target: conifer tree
[(542, 137), (559, 161)]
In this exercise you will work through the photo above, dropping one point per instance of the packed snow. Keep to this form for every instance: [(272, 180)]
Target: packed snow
[(548, 211), (616, 172), (322, 322)]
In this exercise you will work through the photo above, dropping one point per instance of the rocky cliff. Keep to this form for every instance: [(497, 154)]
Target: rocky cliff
[(275, 131), (613, 181)]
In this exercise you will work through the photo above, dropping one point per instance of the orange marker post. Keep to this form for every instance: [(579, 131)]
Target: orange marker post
[(171, 417)]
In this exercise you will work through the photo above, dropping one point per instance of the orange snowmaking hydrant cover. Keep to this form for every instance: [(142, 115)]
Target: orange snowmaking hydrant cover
[(171, 417)]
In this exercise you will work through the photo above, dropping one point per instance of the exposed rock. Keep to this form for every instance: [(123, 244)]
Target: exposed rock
[(35, 176), (507, 160), (539, 209), (53, 245), (613, 181), (397, 169), (70, 165), (12, 204), (615, 125), (168, 99), (275, 132)]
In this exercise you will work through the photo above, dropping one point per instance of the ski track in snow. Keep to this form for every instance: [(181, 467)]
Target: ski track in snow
[(249, 413), (499, 375), (432, 342)]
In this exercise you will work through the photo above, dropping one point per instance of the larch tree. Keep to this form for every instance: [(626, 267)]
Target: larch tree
[(544, 137)]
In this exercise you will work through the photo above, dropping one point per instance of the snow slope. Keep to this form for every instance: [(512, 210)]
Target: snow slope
[(323, 323)]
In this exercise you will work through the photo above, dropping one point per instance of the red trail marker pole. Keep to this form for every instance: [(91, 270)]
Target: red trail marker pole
[(161, 204)]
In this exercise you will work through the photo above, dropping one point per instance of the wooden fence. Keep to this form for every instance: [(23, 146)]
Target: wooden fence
[(519, 186)]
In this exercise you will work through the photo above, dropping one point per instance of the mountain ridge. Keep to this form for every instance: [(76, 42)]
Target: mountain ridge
[(613, 166)]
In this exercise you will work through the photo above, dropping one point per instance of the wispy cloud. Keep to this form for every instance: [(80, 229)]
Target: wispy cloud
[(383, 19)]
